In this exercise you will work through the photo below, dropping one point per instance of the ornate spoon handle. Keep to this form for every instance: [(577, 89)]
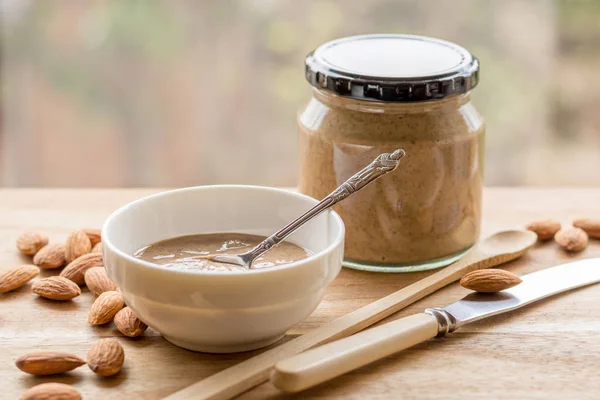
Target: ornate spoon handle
[(384, 163)]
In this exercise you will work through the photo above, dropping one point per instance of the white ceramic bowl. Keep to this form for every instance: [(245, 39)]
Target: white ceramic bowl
[(221, 312)]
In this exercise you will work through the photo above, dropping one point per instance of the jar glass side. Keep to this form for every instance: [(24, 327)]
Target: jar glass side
[(427, 212)]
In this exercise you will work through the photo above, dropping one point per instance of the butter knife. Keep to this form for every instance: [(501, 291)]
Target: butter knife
[(336, 358)]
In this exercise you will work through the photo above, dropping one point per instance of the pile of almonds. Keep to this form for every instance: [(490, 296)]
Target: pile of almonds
[(81, 257), (572, 238)]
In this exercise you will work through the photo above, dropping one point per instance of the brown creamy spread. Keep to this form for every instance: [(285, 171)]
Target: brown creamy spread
[(185, 252), (429, 208)]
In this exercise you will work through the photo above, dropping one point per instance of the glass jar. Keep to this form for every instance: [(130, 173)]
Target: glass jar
[(377, 93)]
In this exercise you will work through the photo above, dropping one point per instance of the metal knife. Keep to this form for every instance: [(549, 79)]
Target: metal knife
[(336, 358)]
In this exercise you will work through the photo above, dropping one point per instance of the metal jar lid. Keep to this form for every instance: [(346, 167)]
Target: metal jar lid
[(394, 68)]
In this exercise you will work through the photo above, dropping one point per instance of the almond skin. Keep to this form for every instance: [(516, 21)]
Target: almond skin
[(97, 280), (15, 277), (589, 226), (56, 288), (97, 248), (48, 363), (106, 306), (78, 244), (75, 271), (106, 357), (489, 280), (50, 256), (571, 239), (544, 229), (94, 235), (30, 243), (128, 323), (51, 391)]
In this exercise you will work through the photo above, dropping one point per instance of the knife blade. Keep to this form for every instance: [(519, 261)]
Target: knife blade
[(336, 358), (535, 286)]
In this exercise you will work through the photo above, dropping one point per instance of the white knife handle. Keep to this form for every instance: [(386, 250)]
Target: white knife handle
[(336, 358)]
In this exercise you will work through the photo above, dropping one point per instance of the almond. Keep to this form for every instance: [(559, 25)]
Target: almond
[(48, 363), (56, 288), (78, 244), (15, 277), (50, 256), (105, 307), (97, 280), (128, 323), (589, 226), (571, 239), (75, 271), (106, 357), (30, 243), (94, 235), (51, 391), (97, 248), (489, 280), (545, 229)]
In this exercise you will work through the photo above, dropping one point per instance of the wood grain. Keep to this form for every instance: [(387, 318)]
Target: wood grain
[(548, 350)]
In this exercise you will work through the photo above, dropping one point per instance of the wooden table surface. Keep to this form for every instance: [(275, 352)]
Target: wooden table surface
[(548, 350)]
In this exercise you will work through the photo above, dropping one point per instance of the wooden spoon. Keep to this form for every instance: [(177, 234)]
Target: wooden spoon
[(497, 249)]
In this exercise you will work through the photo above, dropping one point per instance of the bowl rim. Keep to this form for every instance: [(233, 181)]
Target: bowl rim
[(106, 240)]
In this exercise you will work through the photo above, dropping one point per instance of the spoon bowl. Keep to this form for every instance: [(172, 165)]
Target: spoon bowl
[(510, 243)]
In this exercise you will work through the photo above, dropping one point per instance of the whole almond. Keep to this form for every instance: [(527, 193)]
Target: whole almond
[(128, 323), (48, 362), (78, 244), (50, 256), (97, 248), (15, 277), (97, 280), (589, 226), (56, 288), (75, 271), (489, 280), (105, 307), (30, 243), (94, 235), (51, 391), (571, 239), (545, 229), (106, 357)]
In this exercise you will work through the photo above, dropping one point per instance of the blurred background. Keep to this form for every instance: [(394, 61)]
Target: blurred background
[(171, 93)]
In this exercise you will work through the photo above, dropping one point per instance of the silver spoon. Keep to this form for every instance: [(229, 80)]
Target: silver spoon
[(384, 163)]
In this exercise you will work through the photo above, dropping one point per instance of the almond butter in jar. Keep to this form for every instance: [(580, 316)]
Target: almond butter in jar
[(377, 93)]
